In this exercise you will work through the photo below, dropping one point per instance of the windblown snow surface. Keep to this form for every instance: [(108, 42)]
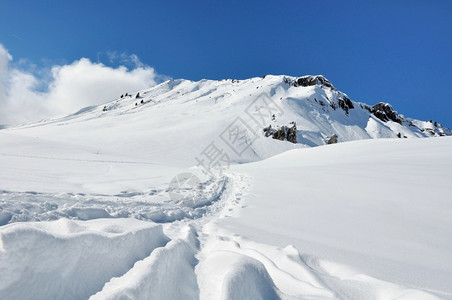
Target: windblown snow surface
[(88, 207)]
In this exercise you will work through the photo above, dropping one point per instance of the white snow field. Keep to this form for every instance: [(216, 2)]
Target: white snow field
[(94, 205)]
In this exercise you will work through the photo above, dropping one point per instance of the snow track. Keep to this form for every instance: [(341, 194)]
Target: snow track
[(107, 258), (191, 258), (153, 205), (233, 267)]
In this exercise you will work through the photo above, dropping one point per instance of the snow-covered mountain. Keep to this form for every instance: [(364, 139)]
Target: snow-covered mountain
[(227, 190), (306, 111)]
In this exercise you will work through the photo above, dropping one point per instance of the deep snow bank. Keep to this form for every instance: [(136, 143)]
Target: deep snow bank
[(168, 273), (68, 259)]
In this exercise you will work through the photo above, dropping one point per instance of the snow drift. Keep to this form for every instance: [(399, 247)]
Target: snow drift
[(70, 259)]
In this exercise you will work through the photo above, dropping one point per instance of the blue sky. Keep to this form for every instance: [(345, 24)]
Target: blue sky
[(392, 51)]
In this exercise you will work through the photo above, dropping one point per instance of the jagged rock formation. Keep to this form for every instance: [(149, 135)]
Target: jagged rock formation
[(332, 139), (292, 133), (310, 80), (345, 103), (385, 112), (382, 111), (284, 133), (314, 80)]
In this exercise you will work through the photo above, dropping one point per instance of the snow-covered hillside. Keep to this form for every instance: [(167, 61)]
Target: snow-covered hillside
[(227, 190), (156, 122)]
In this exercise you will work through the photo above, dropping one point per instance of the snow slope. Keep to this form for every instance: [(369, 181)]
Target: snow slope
[(381, 207), (367, 218), (360, 220), (157, 122)]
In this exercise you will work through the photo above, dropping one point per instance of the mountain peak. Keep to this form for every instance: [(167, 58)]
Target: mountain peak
[(310, 80)]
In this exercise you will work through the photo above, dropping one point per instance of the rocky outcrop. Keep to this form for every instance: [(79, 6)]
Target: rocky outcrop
[(292, 133), (385, 112), (310, 81), (279, 134), (433, 128), (314, 80), (332, 139), (283, 133), (345, 103)]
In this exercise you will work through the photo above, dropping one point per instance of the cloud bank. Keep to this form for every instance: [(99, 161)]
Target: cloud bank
[(25, 98)]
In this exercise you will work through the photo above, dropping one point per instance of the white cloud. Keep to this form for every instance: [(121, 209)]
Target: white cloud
[(125, 59), (69, 88), (5, 58)]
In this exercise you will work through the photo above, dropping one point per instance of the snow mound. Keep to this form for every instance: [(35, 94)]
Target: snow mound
[(248, 279), (228, 275), (168, 273), (67, 259)]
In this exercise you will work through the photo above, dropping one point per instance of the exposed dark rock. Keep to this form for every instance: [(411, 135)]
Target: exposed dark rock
[(385, 112), (280, 134), (283, 133), (306, 81), (309, 81), (313, 80), (430, 130), (268, 131), (345, 103), (381, 115), (292, 133), (332, 139), (105, 108)]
